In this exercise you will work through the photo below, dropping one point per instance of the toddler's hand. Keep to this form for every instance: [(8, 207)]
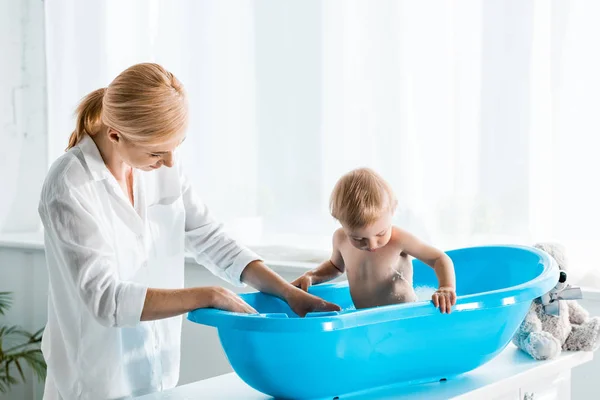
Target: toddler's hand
[(444, 298), (303, 282)]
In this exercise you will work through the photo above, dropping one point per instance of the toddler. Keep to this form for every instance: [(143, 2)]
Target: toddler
[(374, 254)]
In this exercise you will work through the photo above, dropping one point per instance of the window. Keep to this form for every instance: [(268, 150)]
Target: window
[(479, 114)]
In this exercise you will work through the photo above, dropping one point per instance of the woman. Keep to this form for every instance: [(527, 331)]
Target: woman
[(118, 214)]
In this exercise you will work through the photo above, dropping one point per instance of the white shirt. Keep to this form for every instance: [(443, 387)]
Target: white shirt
[(102, 255)]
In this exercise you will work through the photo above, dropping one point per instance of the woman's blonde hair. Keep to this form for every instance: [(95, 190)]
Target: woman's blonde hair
[(360, 197), (145, 103)]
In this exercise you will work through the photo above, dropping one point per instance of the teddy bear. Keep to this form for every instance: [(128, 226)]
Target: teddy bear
[(555, 320)]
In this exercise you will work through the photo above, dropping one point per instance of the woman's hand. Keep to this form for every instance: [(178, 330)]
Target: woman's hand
[(259, 276), (225, 299), (166, 303), (444, 298), (304, 281), (302, 302)]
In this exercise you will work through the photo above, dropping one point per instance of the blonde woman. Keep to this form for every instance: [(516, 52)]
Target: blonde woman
[(118, 214)]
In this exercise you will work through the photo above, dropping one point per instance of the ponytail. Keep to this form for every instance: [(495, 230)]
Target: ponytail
[(145, 103), (89, 115)]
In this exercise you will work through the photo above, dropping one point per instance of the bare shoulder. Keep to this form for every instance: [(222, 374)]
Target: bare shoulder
[(404, 241), (337, 257), (339, 238), (404, 235), (399, 236), (416, 247)]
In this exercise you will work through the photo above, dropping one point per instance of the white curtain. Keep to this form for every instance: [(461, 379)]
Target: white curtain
[(573, 196), (481, 114)]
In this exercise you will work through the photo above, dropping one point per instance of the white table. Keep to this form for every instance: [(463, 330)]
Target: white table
[(512, 375)]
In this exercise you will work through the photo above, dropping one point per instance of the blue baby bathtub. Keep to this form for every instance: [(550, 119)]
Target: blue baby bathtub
[(340, 353)]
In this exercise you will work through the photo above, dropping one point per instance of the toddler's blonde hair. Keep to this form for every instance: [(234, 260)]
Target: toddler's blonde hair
[(360, 197)]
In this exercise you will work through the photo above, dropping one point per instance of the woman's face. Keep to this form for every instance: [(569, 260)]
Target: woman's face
[(146, 157)]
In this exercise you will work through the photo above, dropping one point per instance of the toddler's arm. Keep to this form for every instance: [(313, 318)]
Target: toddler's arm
[(445, 296), (327, 271), (323, 273)]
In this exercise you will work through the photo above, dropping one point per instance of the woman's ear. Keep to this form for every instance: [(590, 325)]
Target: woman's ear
[(113, 135)]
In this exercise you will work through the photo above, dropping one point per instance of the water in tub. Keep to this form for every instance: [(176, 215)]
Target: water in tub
[(423, 293)]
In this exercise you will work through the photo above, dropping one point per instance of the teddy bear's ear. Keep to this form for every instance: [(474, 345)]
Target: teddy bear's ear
[(556, 250)]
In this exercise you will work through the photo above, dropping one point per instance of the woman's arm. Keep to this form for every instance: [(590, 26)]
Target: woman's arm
[(88, 262), (208, 242), (235, 263), (259, 276), (166, 303), (71, 226)]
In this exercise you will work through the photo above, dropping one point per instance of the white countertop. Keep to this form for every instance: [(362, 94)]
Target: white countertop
[(26, 241), (511, 368)]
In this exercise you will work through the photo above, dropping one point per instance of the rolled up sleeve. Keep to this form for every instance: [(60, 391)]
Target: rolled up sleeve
[(210, 245), (89, 262)]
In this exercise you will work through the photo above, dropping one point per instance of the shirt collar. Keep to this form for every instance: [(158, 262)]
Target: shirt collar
[(93, 158)]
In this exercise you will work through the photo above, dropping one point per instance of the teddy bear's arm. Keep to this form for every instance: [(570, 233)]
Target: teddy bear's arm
[(577, 314)]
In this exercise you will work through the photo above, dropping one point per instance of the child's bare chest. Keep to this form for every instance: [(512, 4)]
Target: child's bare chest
[(377, 265), (377, 279)]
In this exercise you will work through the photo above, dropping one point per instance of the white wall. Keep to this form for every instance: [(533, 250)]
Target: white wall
[(23, 149)]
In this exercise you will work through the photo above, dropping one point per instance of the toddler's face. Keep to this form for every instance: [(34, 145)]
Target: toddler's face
[(372, 237)]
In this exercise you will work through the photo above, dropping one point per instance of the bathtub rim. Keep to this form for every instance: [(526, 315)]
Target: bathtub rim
[(323, 322)]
